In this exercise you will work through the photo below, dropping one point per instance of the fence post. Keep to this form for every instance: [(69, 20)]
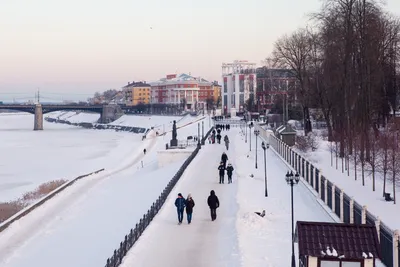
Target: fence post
[(351, 210), (378, 228), (341, 205), (364, 215), (333, 197), (314, 177), (319, 184), (326, 191), (285, 151), (396, 248)]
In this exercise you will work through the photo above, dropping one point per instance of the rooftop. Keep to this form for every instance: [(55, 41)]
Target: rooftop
[(337, 240), (183, 77), (137, 84)]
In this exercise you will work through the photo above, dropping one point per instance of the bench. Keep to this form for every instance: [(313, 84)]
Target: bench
[(388, 197)]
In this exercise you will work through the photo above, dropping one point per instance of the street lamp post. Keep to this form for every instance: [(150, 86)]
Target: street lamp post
[(198, 135), (250, 126), (292, 180), (245, 131), (256, 132), (265, 147), (202, 133)]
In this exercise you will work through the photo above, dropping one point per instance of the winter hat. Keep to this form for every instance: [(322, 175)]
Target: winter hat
[(189, 196), (179, 195)]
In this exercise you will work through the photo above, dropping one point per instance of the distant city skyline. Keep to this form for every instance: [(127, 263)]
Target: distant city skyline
[(75, 48)]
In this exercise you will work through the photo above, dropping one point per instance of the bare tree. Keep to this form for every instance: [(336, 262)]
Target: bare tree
[(294, 52)]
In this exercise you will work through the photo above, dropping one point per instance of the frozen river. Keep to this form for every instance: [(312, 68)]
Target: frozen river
[(29, 158)]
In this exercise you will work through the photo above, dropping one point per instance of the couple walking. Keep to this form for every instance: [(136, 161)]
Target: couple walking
[(222, 168), (181, 203)]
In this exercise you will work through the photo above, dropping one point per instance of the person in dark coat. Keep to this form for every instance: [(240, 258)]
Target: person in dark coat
[(189, 208), (180, 207), (229, 171), (213, 203), (219, 138), (224, 158), (221, 170)]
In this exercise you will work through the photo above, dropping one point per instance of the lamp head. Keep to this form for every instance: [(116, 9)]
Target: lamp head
[(297, 177)]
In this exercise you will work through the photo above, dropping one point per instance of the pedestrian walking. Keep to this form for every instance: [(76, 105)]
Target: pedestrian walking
[(144, 151), (189, 208), (224, 158), (213, 203), (229, 171), (226, 139), (221, 169), (180, 207)]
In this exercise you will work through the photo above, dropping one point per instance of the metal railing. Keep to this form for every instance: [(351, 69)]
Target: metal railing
[(337, 200), (134, 234)]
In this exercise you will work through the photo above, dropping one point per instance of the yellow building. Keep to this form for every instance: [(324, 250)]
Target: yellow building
[(216, 92), (137, 93)]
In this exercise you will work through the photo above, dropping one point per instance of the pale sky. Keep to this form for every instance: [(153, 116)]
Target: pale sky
[(81, 46)]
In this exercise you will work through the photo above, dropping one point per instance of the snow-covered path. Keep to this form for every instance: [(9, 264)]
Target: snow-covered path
[(238, 237), (203, 242)]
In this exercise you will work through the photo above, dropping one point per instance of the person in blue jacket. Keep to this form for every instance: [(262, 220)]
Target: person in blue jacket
[(180, 204)]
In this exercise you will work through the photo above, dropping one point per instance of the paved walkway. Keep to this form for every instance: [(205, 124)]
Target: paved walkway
[(203, 242)]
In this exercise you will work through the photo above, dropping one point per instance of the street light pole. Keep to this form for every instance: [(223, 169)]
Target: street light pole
[(256, 132), (202, 131), (292, 180), (250, 126), (245, 130), (198, 135), (265, 147)]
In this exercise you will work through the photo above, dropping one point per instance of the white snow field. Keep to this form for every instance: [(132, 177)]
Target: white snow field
[(84, 224), (29, 158), (238, 237)]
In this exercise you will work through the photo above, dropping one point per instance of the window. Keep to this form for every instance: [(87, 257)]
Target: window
[(351, 264), (333, 263), (330, 264), (241, 86), (241, 99)]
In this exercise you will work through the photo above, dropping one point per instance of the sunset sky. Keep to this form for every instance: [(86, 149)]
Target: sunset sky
[(79, 47)]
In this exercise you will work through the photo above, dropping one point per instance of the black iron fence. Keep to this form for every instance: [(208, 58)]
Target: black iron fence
[(337, 202), (357, 210), (348, 210), (134, 234), (386, 240)]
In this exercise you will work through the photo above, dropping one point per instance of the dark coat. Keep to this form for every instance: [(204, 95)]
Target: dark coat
[(180, 203), (212, 200), (221, 169), (229, 170), (224, 157), (189, 205)]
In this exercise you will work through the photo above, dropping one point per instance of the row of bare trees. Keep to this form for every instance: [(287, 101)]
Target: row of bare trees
[(347, 65)]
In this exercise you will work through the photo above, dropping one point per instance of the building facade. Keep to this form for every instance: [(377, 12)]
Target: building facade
[(216, 93), (185, 90), (238, 85), (137, 93), (273, 83)]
